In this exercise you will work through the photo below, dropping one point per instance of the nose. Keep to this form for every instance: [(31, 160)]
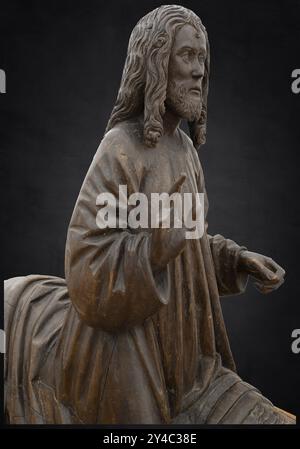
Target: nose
[(198, 69)]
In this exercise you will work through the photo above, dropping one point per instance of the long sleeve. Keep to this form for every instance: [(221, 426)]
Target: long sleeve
[(225, 254), (108, 271)]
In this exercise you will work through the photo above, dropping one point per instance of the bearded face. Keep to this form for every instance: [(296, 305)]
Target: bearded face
[(186, 72), (187, 105)]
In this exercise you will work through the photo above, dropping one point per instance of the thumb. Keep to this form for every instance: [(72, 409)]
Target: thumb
[(177, 184)]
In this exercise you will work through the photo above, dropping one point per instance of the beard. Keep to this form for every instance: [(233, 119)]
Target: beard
[(182, 103)]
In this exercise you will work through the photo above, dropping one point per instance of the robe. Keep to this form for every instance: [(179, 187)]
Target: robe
[(117, 342)]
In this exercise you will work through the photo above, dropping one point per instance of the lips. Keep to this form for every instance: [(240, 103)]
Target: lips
[(195, 90)]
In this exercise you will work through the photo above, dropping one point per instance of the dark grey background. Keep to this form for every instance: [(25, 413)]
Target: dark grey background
[(63, 62)]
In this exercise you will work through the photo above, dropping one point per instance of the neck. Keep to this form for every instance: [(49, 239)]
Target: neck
[(170, 121)]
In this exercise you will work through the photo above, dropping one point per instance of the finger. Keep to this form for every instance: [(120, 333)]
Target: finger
[(263, 288), (263, 273), (177, 185), (277, 269), (270, 282), (272, 278)]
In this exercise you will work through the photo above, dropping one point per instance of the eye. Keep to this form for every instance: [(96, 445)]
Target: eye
[(186, 56), (201, 58)]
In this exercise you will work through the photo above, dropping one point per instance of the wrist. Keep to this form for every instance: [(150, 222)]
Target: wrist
[(242, 260)]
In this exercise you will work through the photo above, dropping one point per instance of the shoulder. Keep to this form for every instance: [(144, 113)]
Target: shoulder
[(123, 140), (119, 157)]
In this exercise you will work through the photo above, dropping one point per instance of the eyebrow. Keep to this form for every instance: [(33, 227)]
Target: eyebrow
[(188, 47)]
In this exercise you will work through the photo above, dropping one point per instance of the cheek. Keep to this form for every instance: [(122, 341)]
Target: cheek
[(179, 70)]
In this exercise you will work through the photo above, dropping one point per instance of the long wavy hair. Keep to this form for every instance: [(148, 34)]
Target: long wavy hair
[(145, 76)]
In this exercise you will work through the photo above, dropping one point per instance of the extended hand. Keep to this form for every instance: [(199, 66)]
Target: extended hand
[(268, 274)]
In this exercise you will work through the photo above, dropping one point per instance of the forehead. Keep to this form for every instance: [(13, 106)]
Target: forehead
[(188, 36)]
